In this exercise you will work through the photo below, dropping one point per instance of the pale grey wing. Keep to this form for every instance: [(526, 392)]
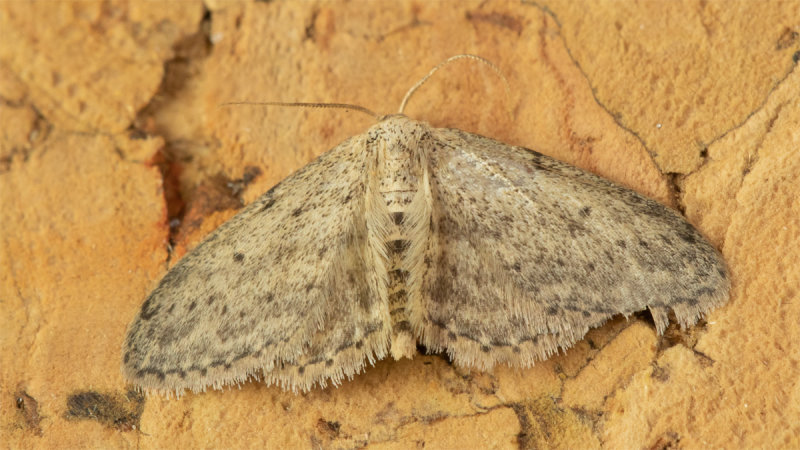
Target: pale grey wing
[(528, 253), (284, 287)]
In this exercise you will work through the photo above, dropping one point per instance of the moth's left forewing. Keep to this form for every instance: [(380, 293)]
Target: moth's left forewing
[(527, 253), (287, 290)]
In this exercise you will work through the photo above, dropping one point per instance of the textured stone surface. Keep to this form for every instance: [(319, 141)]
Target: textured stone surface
[(111, 126)]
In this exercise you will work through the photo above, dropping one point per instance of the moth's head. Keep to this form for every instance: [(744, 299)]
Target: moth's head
[(396, 138)]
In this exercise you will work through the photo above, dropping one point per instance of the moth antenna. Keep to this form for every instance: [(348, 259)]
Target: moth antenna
[(477, 58), (358, 108)]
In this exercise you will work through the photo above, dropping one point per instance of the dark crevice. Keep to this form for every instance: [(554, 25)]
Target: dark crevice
[(675, 184), (177, 153), (28, 408), (120, 412), (675, 335)]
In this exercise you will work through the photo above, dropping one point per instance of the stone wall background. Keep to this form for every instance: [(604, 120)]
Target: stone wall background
[(111, 126)]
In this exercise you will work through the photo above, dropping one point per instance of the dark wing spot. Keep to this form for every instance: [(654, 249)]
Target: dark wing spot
[(148, 309), (585, 211), (238, 257), (297, 212), (688, 234), (268, 204), (192, 305), (150, 371)]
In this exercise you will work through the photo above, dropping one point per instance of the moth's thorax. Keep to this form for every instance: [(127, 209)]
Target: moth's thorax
[(397, 143)]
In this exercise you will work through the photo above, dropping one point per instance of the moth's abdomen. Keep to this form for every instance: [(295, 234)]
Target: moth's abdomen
[(398, 194)]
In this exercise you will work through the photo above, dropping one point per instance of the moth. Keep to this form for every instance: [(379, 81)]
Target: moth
[(410, 234)]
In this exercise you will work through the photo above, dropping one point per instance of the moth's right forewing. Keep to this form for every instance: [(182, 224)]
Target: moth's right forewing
[(527, 253)]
